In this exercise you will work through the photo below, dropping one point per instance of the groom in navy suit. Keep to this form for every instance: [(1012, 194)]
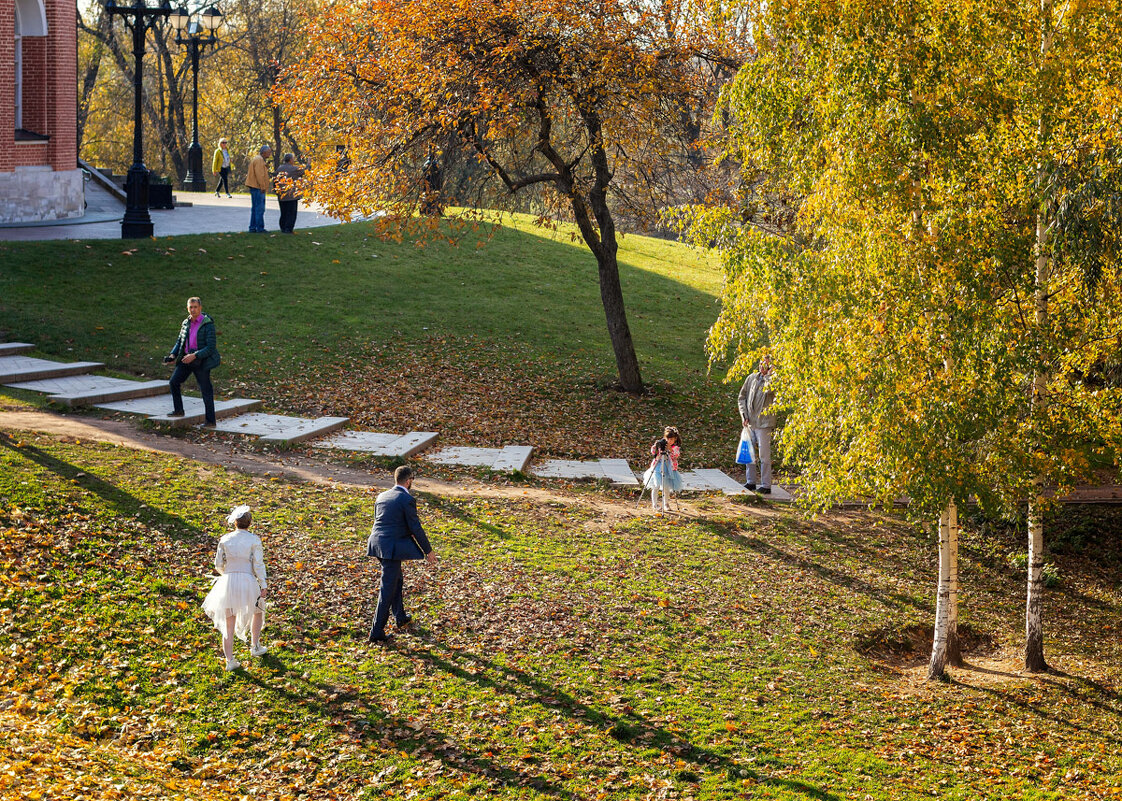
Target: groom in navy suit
[(397, 535)]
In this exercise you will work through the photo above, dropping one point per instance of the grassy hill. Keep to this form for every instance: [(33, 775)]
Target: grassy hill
[(491, 342), (565, 651)]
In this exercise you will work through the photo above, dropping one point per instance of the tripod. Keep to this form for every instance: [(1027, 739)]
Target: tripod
[(658, 472)]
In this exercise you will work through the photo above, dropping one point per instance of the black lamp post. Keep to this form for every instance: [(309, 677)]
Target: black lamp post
[(139, 17), (196, 34)]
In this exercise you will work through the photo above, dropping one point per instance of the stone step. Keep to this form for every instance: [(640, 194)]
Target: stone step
[(15, 348), (86, 390), (278, 428), (619, 472), (378, 444), (513, 459), (17, 369), (501, 460), (156, 408), (721, 481), (616, 471)]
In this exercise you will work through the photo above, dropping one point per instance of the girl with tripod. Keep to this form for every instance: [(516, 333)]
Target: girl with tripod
[(663, 472)]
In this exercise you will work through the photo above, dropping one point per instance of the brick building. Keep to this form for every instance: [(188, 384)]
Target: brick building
[(39, 174)]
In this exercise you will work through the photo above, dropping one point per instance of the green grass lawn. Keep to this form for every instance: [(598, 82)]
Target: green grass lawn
[(491, 342), (561, 654)]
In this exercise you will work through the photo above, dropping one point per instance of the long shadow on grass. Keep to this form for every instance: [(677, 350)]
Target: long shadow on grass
[(896, 600), (119, 501), (626, 729), (346, 709), (1056, 720)]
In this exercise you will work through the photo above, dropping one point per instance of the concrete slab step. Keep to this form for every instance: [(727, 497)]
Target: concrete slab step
[(513, 459), (194, 413), (86, 390), (156, 408), (465, 456), (501, 460), (619, 472), (721, 481), (17, 369), (379, 444), (279, 428), (616, 471), (15, 348)]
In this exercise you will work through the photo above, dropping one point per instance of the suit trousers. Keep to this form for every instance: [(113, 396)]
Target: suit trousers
[(761, 438), (389, 597), (202, 376)]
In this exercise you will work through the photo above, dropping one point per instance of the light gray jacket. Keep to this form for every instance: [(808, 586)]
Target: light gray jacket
[(755, 400)]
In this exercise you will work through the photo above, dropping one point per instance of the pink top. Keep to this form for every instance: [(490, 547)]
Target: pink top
[(674, 451), (193, 334)]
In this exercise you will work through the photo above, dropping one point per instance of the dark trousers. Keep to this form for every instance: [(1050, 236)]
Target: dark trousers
[(223, 181), (389, 597), (202, 377), (288, 215)]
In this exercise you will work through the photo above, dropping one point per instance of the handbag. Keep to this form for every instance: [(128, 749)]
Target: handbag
[(744, 447)]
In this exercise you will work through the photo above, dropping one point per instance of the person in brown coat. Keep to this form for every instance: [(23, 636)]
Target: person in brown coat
[(258, 182)]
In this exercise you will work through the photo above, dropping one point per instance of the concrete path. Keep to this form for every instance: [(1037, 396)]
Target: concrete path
[(207, 214)]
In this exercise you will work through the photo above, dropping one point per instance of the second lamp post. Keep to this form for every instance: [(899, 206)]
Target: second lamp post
[(196, 34)]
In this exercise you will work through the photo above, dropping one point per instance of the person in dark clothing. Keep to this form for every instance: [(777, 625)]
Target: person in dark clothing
[(397, 535), (195, 353)]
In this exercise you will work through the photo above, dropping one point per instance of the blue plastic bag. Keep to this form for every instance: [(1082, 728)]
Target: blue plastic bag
[(744, 449)]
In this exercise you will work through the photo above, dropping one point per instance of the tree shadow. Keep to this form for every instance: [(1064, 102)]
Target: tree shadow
[(348, 711), (625, 728), (897, 600), (119, 501)]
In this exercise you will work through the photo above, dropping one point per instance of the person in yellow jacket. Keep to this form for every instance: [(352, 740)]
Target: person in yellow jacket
[(220, 166), (258, 182)]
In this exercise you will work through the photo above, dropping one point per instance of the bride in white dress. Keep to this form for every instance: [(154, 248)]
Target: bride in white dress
[(236, 601)]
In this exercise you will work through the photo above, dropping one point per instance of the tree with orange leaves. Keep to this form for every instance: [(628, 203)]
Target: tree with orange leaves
[(567, 100)]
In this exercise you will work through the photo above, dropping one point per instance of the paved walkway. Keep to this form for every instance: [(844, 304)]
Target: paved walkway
[(207, 214)]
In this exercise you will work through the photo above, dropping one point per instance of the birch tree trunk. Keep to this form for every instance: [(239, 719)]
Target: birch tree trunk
[(944, 647), (1034, 603)]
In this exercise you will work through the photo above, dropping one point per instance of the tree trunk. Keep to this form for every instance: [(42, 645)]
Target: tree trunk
[(611, 295), (1034, 603), (944, 647), (1034, 606)]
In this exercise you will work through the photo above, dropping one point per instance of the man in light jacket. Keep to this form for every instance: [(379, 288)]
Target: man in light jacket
[(258, 182), (755, 402)]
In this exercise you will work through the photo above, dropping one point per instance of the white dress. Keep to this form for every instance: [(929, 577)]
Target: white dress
[(240, 563)]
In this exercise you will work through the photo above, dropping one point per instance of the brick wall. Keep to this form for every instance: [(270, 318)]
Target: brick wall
[(7, 84), (50, 89), (61, 90)]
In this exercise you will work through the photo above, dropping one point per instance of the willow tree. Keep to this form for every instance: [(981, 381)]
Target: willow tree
[(927, 243), (561, 99)]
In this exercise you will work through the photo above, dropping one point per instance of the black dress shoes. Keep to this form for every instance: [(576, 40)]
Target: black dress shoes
[(765, 490), (404, 624), (384, 640), (749, 486)]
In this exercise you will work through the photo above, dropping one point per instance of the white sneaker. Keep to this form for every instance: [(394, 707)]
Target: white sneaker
[(259, 650), (232, 664)]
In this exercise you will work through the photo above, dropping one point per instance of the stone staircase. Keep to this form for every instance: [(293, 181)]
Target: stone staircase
[(75, 385)]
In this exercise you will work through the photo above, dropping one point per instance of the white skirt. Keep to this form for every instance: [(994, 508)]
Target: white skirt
[(234, 595)]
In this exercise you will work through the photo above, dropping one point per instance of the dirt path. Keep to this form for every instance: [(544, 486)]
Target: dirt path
[(302, 467), (306, 468)]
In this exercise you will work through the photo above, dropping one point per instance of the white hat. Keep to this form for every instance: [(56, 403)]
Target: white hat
[(236, 514)]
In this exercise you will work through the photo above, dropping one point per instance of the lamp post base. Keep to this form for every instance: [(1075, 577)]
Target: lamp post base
[(195, 181), (137, 223)]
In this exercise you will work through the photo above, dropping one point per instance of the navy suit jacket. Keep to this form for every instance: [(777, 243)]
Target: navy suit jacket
[(397, 531)]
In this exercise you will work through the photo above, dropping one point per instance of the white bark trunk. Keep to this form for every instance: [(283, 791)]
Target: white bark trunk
[(1034, 603), (944, 646)]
